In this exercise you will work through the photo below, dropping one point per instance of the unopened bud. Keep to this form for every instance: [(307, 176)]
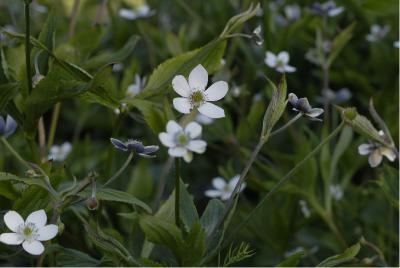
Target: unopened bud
[(350, 113), (92, 203)]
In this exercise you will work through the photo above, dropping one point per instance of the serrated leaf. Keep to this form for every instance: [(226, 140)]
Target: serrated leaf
[(347, 256)]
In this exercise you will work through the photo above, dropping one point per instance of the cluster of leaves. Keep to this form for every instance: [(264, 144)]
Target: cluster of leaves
[(130, 228)]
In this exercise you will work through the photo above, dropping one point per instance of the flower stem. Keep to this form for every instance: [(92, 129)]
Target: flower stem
[(116, 175), (177, 191), (15, 153), (290, 122), (28, 46), (285, 179)]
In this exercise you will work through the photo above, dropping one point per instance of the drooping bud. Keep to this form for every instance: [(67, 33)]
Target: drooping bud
[(36, 79), (92, 203)]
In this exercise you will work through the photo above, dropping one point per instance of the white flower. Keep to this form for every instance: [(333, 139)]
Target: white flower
[(135, 88), (292, 12), (204, 120), (303, 106), (142, 11), (304, 208), (195, 96), (396, 44), (376, 152), (223, 189), (60, 152), (182, 141), (279, 62), (29, 233), (256, 35), (377, 33), (327, 9), (118, 67), (336, 192)]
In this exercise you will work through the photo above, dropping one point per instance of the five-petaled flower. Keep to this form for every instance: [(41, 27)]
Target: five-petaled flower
[(195, 96), (376, 151), (60, 152), (223, 189), (303, 106), (135, 146), (30, 232), (183, 141), (377, 33), (8, 126), (279, 62), (327, 9)]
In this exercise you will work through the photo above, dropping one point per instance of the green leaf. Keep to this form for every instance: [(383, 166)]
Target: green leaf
[(68, 257), (275, 107), (194, 246), (187, 207), (108, 194), (342, 145), (381, 7), (389, 183), (38, 181), (292, 261), (340, 42), (209, 56), (347, 256), (239, 19), (211, 214), (7, 93), (107, 57)]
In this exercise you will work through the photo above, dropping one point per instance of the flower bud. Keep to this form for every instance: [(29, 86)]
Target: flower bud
[(36, 79), (92, 203), (350, 113)]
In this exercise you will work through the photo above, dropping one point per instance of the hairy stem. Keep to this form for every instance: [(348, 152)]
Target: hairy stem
[(119, 172), (289, 123), (177, 191)]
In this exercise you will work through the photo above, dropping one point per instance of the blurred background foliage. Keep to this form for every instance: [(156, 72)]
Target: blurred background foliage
[(369, 206)]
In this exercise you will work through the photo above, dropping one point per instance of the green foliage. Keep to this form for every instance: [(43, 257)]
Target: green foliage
[(292, 261), (347, 256), (238, 254)]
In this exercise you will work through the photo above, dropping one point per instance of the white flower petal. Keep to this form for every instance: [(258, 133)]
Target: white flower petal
[(12, 220), (198, 78), (188, 157), (211, 110), (47, 232), (270, 59), (226, 195), (232, 183), (182, 105), (177, 151), (389, 153), (217, 91), (11, 239), (166, 139), (213, 193), (34, 247), (218, 183), (364, 149), (315, 112), (197, 146), (193, 129), (283, 56), (375, 158), (38, 218), (289, 69), (181, 86), (173, 127)]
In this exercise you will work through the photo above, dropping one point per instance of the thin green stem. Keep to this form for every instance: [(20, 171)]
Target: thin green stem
[(282, 181), (53, 124), (15, 153), (28, 46), (290, 122), (116, 175), (177, 191)]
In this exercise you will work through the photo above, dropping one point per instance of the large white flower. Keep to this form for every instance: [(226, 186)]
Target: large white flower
[(279, 62), (30, 232), (376, 152), (223, 189), (183, 141), (195, 96), (60, 152)]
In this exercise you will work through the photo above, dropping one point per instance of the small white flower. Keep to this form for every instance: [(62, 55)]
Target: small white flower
[(204, 120), (223, 189), (336, 191), (303, 106), (327, 9), (60, 152), (196, 96), (256, 35), (30, 232), (376, 152), (304, 208), (118, 67), (279, 62), (292, 12), (135, 88), (183, 141), (377, 33), (142, 11), (396, 44)]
